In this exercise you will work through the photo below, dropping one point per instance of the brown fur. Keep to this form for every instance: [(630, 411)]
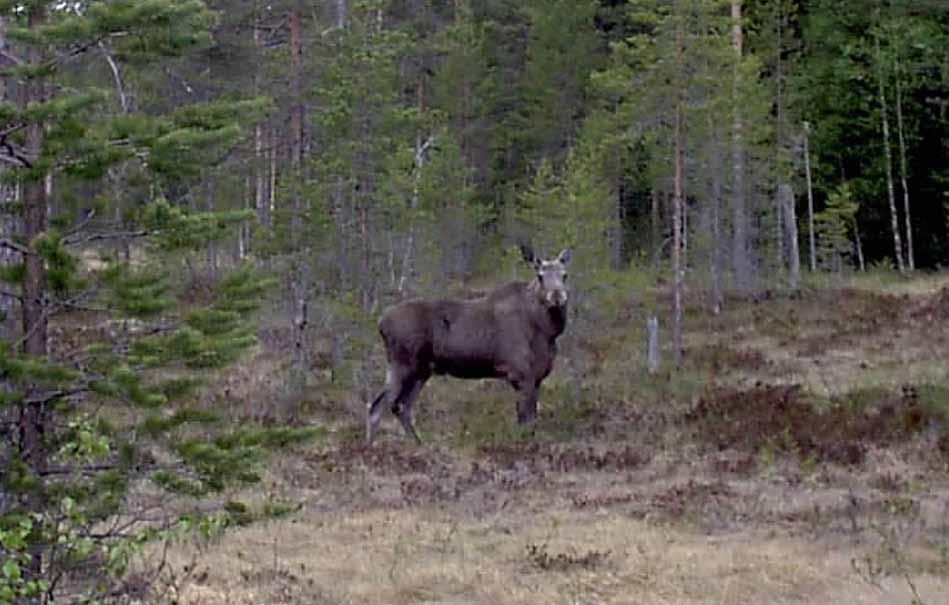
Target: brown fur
[(510, 333)]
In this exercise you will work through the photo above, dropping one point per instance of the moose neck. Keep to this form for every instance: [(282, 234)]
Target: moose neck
[(557, 316), (552, 318)]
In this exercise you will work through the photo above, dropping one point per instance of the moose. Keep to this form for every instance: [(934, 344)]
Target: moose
[(510, 334)]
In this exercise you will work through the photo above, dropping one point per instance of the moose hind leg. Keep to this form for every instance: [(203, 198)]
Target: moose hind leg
[(373, 415), (403, 407), (388, 397)]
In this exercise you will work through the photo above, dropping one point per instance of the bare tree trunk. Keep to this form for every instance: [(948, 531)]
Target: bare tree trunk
[(296, 112), (342, 14), (261, 163), (907, 216), (9, 225), (891, 196), (858, 245), (617, 240), (652, 345), (685, 234), (33, 417), (717, 297), (300, 274), (365, 256), (212, 251), (678, 213), (341, 219), (272, 188), (243, 237), (779, 243), (786, 200), (740, 264), (780, 135), (812, 243), (421, 150), (655, 218)]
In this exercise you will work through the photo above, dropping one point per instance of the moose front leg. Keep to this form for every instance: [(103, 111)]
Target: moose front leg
[(527, 401)]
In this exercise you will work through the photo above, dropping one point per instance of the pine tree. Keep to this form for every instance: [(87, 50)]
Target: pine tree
[(94, 409)]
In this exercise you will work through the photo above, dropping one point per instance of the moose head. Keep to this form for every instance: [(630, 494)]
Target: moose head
[(551, 279)]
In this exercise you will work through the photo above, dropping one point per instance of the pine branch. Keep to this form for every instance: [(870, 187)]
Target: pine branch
[(12, 156), (48, 396), (12, 159), (11, 245), (67, 241), (117, 76), (82, 225), (74, 52), (11, 57), (48, 311)]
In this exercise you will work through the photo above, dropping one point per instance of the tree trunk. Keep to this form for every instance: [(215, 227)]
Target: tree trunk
[(812, 242), (342, 14), (717, 297), (296, 113), (272, 173), (421, 150), (677, 213), (300, 280), (652, 345), (780, 137), (656, 218), (858, 245), (888, 154), (907, 217), (616, 243), (685, 234), (9, 225), (261, 163), (740, 265), (786, 201), (33, 417)]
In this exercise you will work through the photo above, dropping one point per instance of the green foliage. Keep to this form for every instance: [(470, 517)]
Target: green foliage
[(15, 585), (137, 292), (124, 407), (833, 224), (177, 229), (568, 210)]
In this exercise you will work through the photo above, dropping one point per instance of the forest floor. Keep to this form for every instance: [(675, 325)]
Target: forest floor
[(800, 456)]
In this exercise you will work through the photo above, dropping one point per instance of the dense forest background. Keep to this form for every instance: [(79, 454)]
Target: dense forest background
[(169, 167)]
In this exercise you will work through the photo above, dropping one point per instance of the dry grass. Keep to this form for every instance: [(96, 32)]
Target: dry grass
[(834, 341), (630, 491), (429, 555)]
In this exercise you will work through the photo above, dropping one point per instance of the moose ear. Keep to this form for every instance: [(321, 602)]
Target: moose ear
[(564, 256), (528, 253)]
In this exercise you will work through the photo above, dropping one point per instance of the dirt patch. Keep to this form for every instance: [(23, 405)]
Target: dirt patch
[(845, 316), (782, 419), (557, 458), (690, 497), (382, 458), (720, 357), (934, 308)]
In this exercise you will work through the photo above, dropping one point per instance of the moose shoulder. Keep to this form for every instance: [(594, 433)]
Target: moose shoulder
[(510, 333)]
